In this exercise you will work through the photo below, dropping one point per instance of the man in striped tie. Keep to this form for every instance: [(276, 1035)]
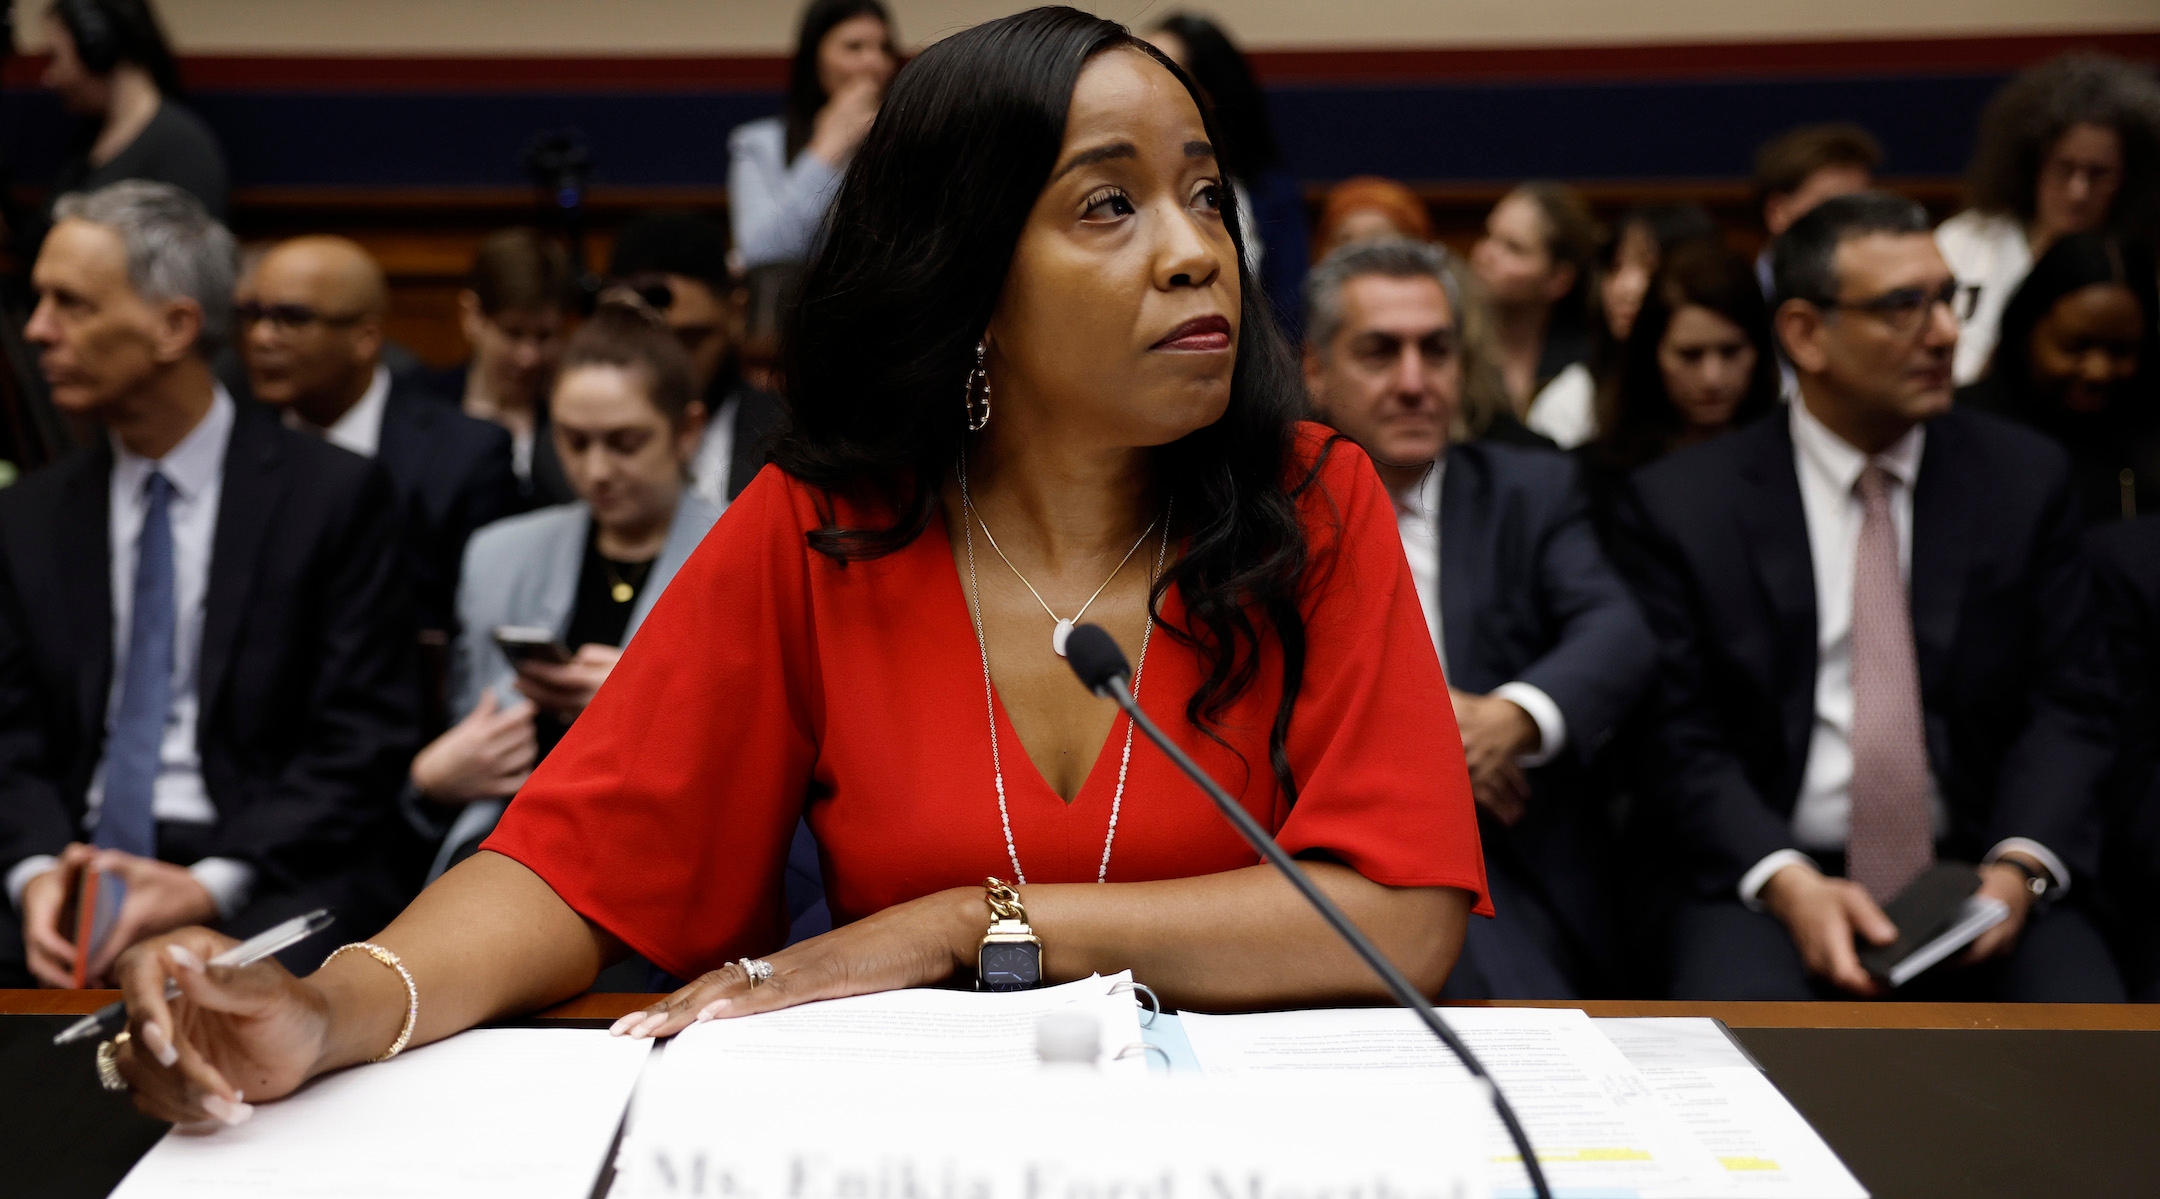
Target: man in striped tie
[(1879, 652), (208, 689)]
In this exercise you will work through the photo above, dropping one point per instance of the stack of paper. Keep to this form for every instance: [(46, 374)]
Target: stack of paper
[(1656, 1109)]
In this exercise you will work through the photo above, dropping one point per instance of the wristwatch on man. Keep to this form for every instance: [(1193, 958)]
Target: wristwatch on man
[(1010, 958), (2036, 881)]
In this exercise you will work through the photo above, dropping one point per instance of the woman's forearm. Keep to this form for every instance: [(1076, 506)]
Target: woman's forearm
[(489, 939), (1246, 939)]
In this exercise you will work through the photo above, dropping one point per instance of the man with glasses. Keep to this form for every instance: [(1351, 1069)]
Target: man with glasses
[(1878, 653), (311, 331), (678, 264)]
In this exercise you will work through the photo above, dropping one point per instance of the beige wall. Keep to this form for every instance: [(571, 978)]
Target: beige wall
[(695, 27)]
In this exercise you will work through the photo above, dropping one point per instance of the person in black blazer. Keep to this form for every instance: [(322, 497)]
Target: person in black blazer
[(677, 263), (312, 335), (2126, 559), (206, 658), (1825, 729), (1544, 648)]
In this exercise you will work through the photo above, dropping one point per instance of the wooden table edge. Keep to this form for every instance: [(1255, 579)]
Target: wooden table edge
[(1824, 1014)]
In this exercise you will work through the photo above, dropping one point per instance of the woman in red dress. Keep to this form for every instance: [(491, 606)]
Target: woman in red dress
[(1026, 385)]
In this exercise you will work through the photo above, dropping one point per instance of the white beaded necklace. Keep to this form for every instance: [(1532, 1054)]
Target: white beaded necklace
[(982, 645)]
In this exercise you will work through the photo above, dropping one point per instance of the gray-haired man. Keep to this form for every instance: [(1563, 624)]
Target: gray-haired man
[(207, 684)]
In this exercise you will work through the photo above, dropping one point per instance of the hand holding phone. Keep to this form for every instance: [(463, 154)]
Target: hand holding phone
[(525, 643)]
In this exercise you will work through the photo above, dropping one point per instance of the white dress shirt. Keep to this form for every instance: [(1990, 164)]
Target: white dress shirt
[(1566, 408), (1988, 251), (1417, 521), (360, 429), (196, 469), (1829, 471), (715, 457)]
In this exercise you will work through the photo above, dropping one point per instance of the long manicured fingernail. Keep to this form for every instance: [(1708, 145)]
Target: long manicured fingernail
[(713, 1009), (622, 1027), (161, 1046), (227, 1110), (184, 957), (648, 1024)]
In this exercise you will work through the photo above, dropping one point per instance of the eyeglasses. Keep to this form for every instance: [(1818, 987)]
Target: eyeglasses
[(288, 318), (1906, 308)]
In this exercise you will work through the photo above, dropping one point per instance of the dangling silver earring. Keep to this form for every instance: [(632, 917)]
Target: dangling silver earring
[(980, 376)]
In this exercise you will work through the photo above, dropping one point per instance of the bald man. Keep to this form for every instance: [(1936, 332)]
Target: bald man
[(312, 335)]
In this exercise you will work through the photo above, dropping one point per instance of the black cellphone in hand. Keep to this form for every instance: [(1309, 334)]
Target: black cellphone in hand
[(523, 643)]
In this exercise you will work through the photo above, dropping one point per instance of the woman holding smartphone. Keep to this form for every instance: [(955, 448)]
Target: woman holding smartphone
[(625, 424)]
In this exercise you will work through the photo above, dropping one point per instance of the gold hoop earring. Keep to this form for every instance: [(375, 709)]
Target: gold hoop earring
[(980, 376)]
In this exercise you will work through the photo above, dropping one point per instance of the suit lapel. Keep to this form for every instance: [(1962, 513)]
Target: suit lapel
[(403, 446), (84, 553), (1774, 534), (248, 503), (1942, 545), (1465, 503)]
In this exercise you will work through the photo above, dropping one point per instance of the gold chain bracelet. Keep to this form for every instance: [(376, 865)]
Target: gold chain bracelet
[(412, 990)]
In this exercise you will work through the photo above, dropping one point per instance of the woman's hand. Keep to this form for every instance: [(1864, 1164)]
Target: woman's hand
[(912, 944), (845, 120), (235, 1034), (487, 755), (565, 689)]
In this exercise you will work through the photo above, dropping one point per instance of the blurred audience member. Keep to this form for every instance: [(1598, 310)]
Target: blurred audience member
[(783, 171), (1543, 646), (1643, 237), (626, 422), (515, 313), (677, 263), (1369, 208), (1271, 205), (1538, 260), (313, 337), (1879, 649), (768, 294), (2079, 360), (1700, 362), (2126, 558), (206, 660), (111, 65), (1801, 168), (2069, 146)]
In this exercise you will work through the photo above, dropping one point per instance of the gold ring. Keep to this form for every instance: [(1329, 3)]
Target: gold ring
[(108, 1064)]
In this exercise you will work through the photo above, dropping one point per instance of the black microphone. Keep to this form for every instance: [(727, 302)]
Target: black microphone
[(1094, 656)]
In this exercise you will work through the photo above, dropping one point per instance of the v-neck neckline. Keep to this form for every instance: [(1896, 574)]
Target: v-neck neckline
[(1112, 744)]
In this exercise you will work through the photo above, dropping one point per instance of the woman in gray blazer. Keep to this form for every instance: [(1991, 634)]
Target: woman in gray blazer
[(578, 578)]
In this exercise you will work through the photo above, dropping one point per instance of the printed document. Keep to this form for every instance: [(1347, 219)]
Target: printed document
[(1593, 1119), (509, 1112), (1767, 1148)]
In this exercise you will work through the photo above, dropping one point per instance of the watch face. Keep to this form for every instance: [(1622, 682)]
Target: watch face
[(1011, 967)]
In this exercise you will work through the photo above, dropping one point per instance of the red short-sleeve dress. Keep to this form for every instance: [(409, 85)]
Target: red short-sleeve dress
[(769, 683)]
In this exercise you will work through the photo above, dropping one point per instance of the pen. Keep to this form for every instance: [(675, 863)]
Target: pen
[(113, 1016)]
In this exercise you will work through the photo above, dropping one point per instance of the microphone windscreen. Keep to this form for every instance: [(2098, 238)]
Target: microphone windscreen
[(1094, 655)]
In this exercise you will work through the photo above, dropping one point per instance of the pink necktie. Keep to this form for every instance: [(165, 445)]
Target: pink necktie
[(1890, 841)]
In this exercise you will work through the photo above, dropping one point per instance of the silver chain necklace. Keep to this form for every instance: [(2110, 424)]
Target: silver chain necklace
[(982, 645)]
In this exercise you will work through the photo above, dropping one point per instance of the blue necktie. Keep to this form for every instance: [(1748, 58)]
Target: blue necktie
[(126, 819)]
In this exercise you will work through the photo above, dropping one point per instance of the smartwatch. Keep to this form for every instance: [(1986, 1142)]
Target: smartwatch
[(1010, 957)]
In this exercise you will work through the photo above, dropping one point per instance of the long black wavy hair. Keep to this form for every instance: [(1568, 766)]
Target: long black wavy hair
[(903, 285)]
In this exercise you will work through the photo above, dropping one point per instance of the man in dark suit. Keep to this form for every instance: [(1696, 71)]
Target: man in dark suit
[(206, 661), (679, 264), (2126, 558), (1827, 730), (1543, 646), (312, 335)]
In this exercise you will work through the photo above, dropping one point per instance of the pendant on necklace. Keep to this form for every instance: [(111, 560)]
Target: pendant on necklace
[(1058, 636), (622, 593)]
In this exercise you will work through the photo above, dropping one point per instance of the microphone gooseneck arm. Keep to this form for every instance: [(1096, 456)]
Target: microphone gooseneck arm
[(1090, 646)]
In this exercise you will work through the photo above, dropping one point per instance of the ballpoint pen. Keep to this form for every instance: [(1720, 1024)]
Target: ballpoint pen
[(113, 1016)]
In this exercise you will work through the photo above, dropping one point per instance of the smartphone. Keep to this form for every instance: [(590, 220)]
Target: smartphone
[(98, 894), (524, 643)]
